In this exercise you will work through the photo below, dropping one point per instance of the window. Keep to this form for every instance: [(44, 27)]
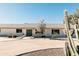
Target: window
[(18, 30), (55, 31)]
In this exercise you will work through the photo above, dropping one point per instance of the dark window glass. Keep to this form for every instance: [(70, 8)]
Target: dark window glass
[(18, 30), (55, 31)]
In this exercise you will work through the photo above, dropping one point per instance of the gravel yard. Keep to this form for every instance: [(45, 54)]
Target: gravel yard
[(45, 52)]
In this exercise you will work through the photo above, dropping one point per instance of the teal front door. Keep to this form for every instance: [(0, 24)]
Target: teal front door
[(29, 32)]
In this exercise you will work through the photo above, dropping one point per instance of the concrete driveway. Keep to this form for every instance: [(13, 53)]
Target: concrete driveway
[(15, 47)]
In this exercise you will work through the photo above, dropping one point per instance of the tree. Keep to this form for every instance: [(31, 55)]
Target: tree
[(76, 14), (42, 26), (74, 20)]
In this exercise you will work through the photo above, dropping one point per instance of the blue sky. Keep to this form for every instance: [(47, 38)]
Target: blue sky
[(32, 13)]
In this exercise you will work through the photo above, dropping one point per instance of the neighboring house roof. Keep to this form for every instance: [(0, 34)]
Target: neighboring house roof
[(30, 25)]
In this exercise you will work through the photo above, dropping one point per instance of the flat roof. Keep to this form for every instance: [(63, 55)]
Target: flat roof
[(30, 25)]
